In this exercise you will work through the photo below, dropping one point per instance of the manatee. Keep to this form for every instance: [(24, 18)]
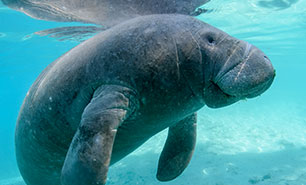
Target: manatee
[(107, 96), (101, 12)]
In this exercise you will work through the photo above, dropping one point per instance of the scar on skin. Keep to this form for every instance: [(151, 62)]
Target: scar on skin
[(243, 65)]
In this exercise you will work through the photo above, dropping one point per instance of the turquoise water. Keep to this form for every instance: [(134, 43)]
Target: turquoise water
[(260, 141)]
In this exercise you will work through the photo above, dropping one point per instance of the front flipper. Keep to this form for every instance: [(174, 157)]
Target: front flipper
[(89, 155), (178, 149)]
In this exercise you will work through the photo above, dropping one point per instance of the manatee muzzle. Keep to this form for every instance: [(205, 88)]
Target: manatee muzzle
[(247, 76)]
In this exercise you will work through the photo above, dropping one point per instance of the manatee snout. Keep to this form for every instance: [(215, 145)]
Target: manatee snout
[(249, 77), (244, 72)]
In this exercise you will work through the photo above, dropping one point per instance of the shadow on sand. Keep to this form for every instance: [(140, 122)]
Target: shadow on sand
[(277, 4), (285, 167)]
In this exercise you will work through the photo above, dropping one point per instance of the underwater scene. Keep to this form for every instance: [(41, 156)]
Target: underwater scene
[(260, 139)]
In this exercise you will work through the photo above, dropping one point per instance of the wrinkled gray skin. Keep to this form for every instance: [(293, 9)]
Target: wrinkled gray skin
[(102, 12), (107, 96)]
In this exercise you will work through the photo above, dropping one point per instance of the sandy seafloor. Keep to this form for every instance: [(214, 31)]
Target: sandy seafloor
[(260, 141)]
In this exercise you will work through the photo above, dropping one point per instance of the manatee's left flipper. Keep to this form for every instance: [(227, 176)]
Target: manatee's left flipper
[(178, 149), (89, 155)]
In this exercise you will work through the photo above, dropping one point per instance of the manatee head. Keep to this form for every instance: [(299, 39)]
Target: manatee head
[(232, 69)]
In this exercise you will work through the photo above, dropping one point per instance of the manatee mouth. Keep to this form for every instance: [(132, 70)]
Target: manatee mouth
[(247, 78), (215, 97)]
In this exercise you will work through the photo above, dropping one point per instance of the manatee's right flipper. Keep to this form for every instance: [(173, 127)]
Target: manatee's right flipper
[(89, 155), (178, 149)]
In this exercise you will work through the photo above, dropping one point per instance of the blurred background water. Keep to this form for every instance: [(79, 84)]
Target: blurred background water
[(259, 141)]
